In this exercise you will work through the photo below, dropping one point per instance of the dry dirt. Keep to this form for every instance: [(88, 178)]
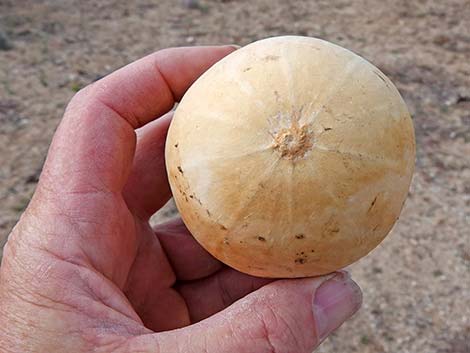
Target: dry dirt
[(416, 284)]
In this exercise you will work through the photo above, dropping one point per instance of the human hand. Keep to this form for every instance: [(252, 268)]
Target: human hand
[(83, 270)]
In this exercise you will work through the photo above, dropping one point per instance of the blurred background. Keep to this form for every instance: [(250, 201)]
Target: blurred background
[(417, 283)]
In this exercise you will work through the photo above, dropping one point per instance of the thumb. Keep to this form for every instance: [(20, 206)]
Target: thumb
[(286, 316)]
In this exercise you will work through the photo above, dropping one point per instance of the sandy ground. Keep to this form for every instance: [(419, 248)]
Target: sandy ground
[(417, 283)]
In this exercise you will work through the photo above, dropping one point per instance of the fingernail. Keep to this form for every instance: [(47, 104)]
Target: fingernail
[(235, 46), (335, 301)]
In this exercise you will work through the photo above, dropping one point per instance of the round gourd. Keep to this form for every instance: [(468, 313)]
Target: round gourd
[(290, 157)]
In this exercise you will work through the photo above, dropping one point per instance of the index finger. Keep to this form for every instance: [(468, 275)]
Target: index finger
[(150, 86), (94, 145)]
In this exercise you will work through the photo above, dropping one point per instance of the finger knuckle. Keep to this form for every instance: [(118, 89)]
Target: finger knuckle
[(278, 330), (82, 94)]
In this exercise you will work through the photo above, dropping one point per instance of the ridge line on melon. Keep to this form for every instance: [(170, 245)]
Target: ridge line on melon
[(347, 71)]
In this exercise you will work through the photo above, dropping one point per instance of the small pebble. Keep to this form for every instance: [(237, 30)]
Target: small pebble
[(4, 42), (191, 4)]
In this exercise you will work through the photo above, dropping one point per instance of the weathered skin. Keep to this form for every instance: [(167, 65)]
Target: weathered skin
[(291, 157)]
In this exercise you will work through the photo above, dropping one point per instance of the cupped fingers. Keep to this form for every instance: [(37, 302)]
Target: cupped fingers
[(288, 316), (215, 293), (147, 188), (189, 260)]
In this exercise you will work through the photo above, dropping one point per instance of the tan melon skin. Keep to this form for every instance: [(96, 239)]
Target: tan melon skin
[(291, 157)]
